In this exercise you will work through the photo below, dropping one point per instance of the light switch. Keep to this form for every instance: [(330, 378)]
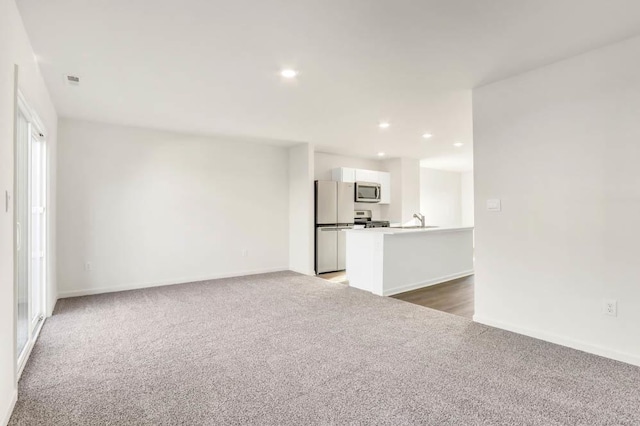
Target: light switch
[(494, 205)]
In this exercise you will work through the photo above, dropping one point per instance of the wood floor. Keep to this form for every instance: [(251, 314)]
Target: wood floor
[(454, 297), (336, 277)]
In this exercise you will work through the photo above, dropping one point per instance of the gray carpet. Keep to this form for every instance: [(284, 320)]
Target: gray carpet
[(284, 348)]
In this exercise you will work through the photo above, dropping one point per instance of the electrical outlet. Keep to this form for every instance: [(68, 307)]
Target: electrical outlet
[(245, 253), (610, 307), (88, 266)]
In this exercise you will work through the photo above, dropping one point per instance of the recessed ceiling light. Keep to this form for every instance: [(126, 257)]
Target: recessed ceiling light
[(384, 125), (288, 73), (427, 135), (381, 154), (458, 144)]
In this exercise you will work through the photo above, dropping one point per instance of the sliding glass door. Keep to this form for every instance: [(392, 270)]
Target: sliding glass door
[(21, 215), (37, 228), (30, 229)]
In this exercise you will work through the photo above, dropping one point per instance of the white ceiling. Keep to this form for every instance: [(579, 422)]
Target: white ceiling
[(209, 66)]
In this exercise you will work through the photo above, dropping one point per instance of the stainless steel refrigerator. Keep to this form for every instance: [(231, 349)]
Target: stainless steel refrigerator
[(334, 212)]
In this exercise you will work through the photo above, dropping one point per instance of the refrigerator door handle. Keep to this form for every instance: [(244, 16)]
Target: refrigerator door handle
[(335, 228)]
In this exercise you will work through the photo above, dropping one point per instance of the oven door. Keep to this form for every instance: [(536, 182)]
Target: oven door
[(367, 192)]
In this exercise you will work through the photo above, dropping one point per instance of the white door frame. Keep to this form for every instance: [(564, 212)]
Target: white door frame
[(34, 127)]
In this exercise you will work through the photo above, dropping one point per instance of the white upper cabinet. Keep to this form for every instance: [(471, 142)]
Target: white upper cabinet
[(384, 179), (344, 174), (347, 174), (366, 176)]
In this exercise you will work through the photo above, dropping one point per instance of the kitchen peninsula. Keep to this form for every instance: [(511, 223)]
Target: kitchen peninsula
[(387, 261)]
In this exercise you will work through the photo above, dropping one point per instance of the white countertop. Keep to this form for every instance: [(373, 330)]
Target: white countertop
[(394, 231)]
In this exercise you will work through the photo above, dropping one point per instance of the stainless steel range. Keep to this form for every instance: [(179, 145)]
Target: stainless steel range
[(363, 217)]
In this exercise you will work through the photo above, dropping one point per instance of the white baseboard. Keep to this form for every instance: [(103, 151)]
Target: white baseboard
[(12, 403), (421, 284), (300, 271), (561, 340), (136, 286)]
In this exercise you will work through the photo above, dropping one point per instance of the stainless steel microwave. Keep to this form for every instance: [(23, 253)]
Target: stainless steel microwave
[(368, 192)]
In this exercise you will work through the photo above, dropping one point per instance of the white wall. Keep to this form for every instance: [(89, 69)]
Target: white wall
[(446, 198), (149, 207), (410, 188), (441, 197), (301, 209), (324, 163), (15, 49), (394, 210), (466, 199), (560, 146), (405, 188)]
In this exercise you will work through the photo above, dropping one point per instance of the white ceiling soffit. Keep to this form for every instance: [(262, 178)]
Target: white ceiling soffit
[(212, 67)]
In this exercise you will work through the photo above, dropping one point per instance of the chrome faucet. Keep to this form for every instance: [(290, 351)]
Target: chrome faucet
[(420, 217)]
